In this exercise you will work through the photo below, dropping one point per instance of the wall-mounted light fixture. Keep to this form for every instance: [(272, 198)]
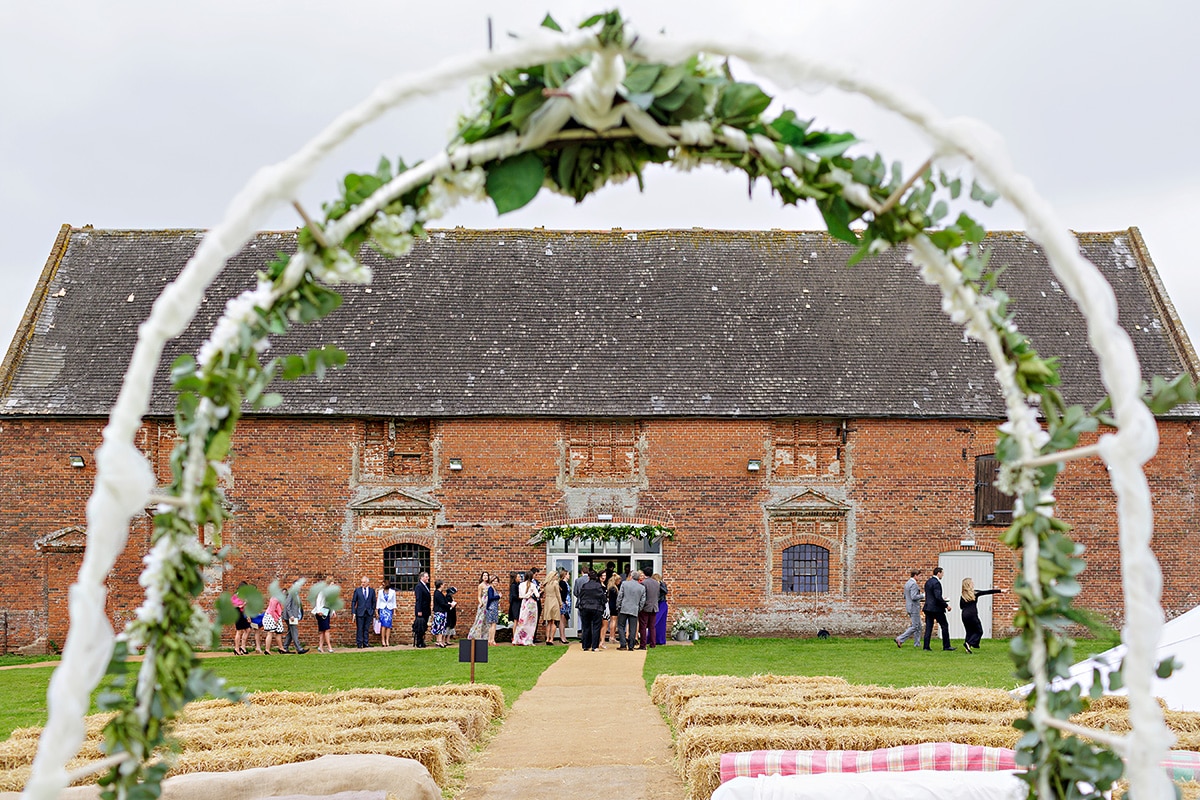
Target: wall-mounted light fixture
[(76, 461), (753, 465), (604, 517), (456, 464), (967, 543)]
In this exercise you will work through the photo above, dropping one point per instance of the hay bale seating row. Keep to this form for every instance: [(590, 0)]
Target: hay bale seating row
[(434, 726), (714, 715)]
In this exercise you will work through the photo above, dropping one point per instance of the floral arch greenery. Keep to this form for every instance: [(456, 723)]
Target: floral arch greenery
[(596, 106)]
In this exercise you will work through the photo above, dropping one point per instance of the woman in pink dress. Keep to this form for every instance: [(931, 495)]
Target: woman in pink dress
[(526, 627)]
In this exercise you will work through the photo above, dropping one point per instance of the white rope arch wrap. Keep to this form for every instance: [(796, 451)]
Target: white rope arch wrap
[(124, 479)]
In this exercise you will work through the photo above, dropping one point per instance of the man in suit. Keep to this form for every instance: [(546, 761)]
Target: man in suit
[(912, 604), (630, 597), (935, 609), (362, 606), (422, 609), (649, 612)]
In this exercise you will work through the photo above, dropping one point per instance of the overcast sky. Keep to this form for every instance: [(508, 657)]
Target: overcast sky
[(153, 115)]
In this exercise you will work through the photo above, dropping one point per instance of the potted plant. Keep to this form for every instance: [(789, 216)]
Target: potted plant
[(504, 629), (688, 625)]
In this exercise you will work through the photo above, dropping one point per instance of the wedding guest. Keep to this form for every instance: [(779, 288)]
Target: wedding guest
[(565, 615), (479, 626), (385, 607), (441, 611), (241, 628), (272, 622), (293, 612), (660, 621), (968, 603), (526, 628), (452, 614), (552, 606), (608, 627), (514, 597), (324, 616)]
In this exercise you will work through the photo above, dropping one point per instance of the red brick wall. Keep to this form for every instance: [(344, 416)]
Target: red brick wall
[(899, 493)]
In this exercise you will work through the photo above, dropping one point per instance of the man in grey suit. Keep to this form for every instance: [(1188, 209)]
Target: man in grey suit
[(647, 617), (630, 598), (912, 603)]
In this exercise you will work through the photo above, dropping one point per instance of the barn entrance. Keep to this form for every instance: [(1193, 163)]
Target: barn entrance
[(977, 566), (576, 554)]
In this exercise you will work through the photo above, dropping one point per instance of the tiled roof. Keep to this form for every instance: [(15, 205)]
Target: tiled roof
[(537, 322)]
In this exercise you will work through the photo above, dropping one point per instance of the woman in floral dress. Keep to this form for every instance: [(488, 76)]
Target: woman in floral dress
[(479, 629), (526, 627)]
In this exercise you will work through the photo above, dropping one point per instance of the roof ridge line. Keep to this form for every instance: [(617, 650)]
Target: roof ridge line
[(33, 310), (1162, 301)]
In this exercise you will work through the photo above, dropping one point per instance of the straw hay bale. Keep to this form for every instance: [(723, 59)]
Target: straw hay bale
[(825, 717), (14, 779), (371, 695), (1117, 719), (716, 739), (494, 694), (1116, 702), (430, 753), (703, 777), (674, 690)]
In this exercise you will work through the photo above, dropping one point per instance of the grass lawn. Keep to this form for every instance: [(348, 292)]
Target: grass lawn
[(870, 661), (513, 669)]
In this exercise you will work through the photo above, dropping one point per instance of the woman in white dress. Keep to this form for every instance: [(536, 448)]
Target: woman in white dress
[(385, 604), (526, 628)]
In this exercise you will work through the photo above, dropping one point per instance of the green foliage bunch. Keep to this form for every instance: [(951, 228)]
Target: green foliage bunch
[(605, 532), (698, 114)]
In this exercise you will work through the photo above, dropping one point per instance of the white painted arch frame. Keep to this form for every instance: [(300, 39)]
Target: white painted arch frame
[(124, 479)]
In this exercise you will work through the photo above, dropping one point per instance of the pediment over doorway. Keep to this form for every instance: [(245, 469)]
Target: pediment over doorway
[(809, 503), (394, 501), (66, 540)]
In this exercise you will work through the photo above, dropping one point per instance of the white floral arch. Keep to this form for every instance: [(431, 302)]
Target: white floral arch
[(591, 98)]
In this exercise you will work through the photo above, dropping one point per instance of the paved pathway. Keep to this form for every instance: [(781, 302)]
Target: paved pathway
[(587, 726)]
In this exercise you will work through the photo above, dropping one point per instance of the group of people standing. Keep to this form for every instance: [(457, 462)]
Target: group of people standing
[(433, 612), (281, 618), (605, 601), (935, 606), (630, 609)]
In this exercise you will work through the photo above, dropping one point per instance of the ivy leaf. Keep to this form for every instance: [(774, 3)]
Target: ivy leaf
[(972, 231), (1166, 667), (791, 130), (828, 145), (226, 613), (254, 599), (739, 104), (837, 219), (983, 195), (642, 77), (515, 181), (549, 22), (668, 80), (524, 106)]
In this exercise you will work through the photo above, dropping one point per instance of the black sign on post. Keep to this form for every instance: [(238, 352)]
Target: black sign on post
[(472, 651)]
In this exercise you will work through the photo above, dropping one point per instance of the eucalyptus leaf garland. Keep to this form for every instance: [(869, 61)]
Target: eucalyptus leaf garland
[(603, 532), (686, 114)]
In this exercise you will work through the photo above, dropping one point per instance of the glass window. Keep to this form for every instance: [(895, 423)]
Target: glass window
[(806, 568), (403, 564)]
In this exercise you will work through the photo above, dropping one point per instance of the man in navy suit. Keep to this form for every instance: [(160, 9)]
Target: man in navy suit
[(935, 609), (363, 608), (422, 610)]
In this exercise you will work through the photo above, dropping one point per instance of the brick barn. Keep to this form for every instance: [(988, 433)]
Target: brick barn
[(808, 431)]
